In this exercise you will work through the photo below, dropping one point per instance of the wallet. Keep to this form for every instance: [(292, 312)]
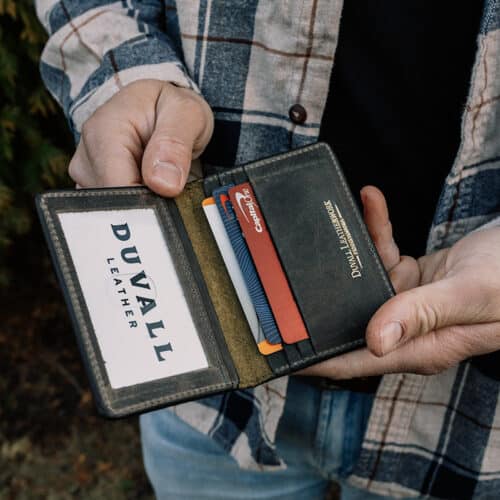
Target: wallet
[(155, 313)]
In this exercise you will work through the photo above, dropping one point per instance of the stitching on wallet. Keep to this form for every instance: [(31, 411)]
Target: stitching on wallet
[(322, 353), (255, 166), (97, 192), (268, 174), (250, 382), (173, 397), (213, 341), (79, 314), (364, 231), (71, 290), (346, 189)]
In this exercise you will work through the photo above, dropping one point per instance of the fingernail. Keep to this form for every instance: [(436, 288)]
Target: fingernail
[(390, 335), (167, 173)]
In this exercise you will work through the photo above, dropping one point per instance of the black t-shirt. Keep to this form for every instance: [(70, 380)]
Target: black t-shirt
[(397, 94)]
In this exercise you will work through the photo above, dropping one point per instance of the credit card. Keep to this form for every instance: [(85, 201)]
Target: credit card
[(229, 257), (266, 260), (246, 265)]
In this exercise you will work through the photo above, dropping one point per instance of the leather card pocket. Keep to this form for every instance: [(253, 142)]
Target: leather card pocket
[(332, 266)]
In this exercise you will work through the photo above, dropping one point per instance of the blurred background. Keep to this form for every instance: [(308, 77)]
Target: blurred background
[(52, 443)]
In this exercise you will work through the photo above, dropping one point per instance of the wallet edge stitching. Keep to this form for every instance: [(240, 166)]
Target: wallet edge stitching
[(75, 304)]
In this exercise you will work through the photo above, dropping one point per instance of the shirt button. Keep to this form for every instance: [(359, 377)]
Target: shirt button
[(297, 114)]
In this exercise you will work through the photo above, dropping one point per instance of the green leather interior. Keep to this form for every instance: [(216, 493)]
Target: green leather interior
[(251, 366)]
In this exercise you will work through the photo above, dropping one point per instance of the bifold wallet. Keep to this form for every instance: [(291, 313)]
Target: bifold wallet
[(155, 313)]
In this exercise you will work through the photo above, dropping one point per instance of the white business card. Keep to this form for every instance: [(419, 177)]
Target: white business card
[(137, 306)]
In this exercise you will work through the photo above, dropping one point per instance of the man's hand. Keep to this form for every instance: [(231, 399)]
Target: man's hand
[(447, 308), (147, 133)]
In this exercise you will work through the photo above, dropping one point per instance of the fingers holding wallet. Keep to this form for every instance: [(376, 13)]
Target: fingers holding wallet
[(403, 270), (147, 133)]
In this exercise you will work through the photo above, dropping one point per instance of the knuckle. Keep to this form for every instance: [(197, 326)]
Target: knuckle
[(463, 345), (430, 369), (487, 299), (90, 130), (77, 167), (192, 107), (386, 231), (173, 145), (377, 239), (434, 366), (73, 170), (198, 115), (86, 128), (428, 357), (444, 363), (95, 124), (426, 316), (445, 354)]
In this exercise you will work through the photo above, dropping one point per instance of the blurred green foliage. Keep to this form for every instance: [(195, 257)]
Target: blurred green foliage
[(34, 141)]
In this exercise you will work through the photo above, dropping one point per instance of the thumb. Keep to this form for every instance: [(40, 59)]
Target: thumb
[(422, 310), (183, 127)]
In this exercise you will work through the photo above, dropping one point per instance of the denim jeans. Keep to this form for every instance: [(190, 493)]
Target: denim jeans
[(319, 437)]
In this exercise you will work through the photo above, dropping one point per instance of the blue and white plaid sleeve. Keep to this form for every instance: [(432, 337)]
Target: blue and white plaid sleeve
[(95, 48)]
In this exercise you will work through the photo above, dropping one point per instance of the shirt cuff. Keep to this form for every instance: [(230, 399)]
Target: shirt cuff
[(167, 72)]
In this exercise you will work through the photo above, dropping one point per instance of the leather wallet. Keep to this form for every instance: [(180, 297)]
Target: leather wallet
[(156, 317)]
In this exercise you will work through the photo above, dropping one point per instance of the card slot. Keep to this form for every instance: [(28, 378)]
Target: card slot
[(292, 354), (251, 366), (210, 183), (300, 362), (222, 228), (235, 175), (250, 223), (225, 178), (239, 176), (305, 348), (278, 363)]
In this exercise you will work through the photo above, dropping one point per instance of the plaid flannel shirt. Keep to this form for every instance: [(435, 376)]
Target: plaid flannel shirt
[(436, 436)]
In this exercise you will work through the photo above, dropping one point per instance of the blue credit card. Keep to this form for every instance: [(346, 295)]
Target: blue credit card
[(246, 264)]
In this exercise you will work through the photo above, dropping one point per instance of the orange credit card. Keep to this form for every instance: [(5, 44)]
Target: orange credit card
[(267, 263)]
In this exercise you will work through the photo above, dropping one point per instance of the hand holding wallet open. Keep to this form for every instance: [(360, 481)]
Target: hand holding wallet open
[(156, 314)]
